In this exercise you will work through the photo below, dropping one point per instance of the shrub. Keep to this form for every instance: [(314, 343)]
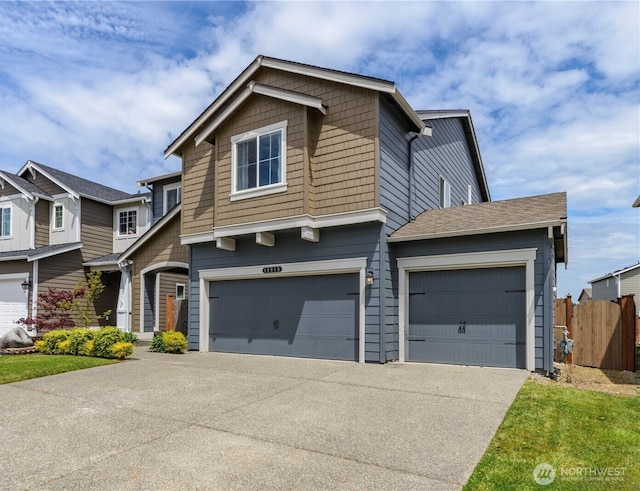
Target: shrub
[(174, 342), (108, 342), (157, 344), (78, 338), (86, 349), (169, 342), (39, 345), (104, 339), (121, 350), (51, 340), (129, 337)]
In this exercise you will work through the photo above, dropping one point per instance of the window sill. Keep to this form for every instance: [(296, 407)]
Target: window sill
[(256, 192), (130, 236)]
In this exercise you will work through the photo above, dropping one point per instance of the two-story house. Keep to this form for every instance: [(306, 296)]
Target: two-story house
[(611, 286), (57, 226), (326, 218)]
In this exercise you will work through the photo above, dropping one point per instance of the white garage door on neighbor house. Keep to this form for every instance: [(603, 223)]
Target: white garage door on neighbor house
[(13, 301)]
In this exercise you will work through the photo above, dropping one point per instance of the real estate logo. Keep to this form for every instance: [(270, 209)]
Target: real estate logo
[(544, 474)]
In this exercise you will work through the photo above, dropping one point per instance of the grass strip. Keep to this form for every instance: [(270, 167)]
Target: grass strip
[(591, 439), (15, 368)]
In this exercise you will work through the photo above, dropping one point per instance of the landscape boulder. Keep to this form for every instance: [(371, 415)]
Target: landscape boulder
[(16, 338)]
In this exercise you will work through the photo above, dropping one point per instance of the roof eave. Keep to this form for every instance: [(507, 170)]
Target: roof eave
[(479, 231), (151, 180)]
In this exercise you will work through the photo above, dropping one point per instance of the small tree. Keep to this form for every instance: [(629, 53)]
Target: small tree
[(63, 309)]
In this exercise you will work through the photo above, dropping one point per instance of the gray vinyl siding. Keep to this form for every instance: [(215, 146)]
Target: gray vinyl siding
[(335, 243), (544, 274), (96, 233), (157, 197), (444, 154), (605, 289)]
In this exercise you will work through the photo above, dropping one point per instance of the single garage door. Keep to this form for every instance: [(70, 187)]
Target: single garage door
[(310, 316), (13, 303), (468, 317)]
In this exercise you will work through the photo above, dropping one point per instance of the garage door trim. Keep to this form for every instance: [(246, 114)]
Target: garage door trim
[(490, 259), (335, 266)]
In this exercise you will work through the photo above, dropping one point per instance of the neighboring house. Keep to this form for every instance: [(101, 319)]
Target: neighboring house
[(636, 203), (324, 219), (585, 295), (157, 265), (615, 285), (57, 226)]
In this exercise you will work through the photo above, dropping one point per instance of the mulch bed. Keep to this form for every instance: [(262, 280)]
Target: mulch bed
[(18, 351)]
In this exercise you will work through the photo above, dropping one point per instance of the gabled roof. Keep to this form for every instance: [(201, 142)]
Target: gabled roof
[(619, 272), (163, 177), (243, 82), (27, 188), (39, 253), (149, 234), (636, 203), (465, 116), (80, 187), (544, 211)]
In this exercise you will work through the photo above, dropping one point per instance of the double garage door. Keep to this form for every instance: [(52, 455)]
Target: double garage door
[(468, 317), (304, 316), (13, 303)]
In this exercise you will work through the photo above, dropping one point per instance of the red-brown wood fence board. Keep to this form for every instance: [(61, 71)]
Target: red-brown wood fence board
[(603, 332)]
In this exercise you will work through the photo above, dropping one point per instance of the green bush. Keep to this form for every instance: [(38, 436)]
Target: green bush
[(104, 339), (108, 342), (169, 342), (121, 350), (51, 340), (78, 339)]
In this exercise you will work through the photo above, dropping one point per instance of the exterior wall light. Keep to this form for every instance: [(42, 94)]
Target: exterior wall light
[(369, 278), (26, 285)]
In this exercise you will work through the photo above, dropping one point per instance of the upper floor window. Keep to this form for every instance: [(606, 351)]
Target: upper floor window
[(58, 221), (258, 159), (445, 193), (128, 222), (172, 196), (5, 221)]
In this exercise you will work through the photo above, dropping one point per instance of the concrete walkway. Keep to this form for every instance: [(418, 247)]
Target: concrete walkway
[(223, 421)]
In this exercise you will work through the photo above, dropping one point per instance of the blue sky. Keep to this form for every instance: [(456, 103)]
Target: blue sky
[(101, 89)]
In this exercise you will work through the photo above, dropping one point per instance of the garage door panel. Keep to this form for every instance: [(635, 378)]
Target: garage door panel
[(13, 303), (312, 316), (474, 317)]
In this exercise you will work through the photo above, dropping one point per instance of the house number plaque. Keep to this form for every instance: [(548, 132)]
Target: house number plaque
[(272, 269)]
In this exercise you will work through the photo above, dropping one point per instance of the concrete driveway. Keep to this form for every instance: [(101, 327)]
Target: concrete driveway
[(223, 421)]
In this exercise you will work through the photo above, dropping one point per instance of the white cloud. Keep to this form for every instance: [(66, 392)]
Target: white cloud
[(553, 87)]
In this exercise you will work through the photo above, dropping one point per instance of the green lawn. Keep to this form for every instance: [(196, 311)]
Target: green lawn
[(22, 367), (591, 439)]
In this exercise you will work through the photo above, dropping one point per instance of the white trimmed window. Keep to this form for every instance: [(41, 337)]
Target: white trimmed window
[(172, 196), (127, 222), (58, 217), (258, 159), (5, 221), (180, 291), (445, 193)]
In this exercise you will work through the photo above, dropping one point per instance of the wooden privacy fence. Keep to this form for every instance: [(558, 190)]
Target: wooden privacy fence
[(603, 332), (176, 314)]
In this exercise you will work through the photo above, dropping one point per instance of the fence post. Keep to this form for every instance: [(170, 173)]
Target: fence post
[(628, 327), (569, 313)]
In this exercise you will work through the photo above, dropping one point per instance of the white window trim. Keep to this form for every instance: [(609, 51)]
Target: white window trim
[(444, 193), (165, 190), (53, 218), (9, 207), (261, 190), (127, 210), (184, 291), (337, 266), (490, 259)]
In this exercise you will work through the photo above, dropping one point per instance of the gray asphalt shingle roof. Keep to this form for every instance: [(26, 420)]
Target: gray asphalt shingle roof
[(27, 186), (493, 216), (85, 187)]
